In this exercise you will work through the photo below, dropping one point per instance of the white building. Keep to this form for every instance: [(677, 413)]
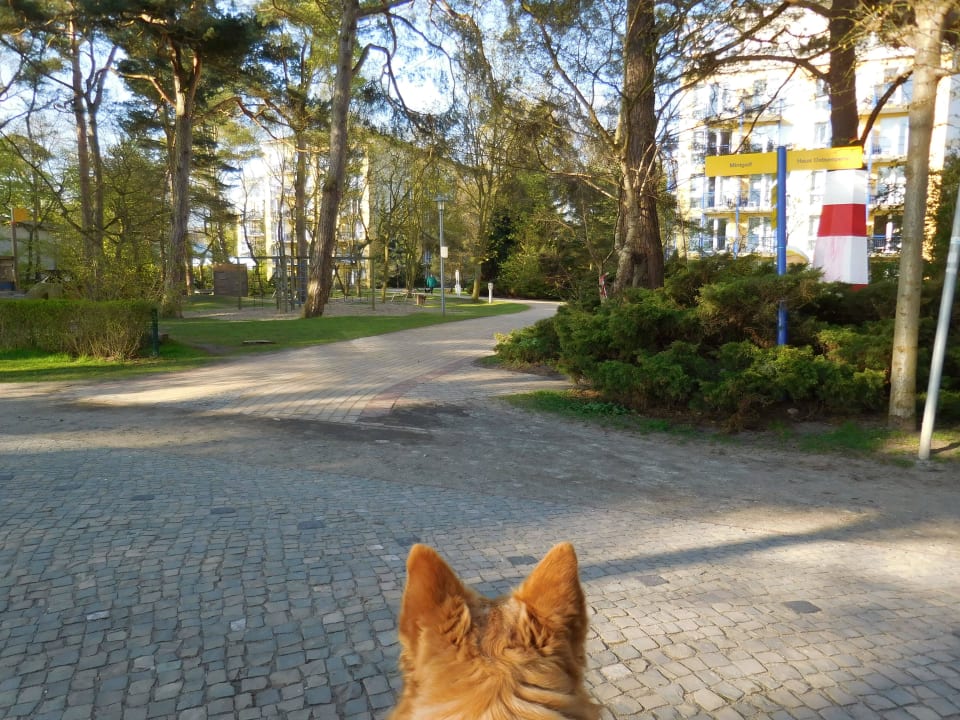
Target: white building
[(760, 107), (36, 249)]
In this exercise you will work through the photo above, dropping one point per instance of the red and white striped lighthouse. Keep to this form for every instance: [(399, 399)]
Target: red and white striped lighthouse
[(841, 249)]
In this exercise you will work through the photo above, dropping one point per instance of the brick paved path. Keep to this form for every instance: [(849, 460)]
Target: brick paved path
[(340, 382), (179, 548)]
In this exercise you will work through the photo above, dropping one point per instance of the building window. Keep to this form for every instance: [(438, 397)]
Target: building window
[(889, 138), (726, 137), (714, 101), (759, 235), (886, 233), (903, 94), (757, 184), (711, 195), (906, 92), (699, 147), (818, 179), (696, 190), (821, 96), (720, 234), (759, 93), (821, 135), (903, 129), (718, 142), (891, 185)]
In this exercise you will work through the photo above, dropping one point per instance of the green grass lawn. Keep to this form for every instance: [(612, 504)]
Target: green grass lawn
[(35, 366), (195, 341), (228, 337)]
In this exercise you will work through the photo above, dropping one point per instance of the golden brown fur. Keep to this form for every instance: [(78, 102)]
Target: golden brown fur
[(521, 656)]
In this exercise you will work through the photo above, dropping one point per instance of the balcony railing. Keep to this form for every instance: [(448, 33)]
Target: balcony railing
[(879, 245), (766, 245), (750, 203)]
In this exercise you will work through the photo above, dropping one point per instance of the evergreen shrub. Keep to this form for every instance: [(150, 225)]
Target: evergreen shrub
[(537, 344), (705, 343), (666, 380), (863, 346), (840, 304), (684, 280), (948, 407), (647, 320), (746, 307), (584, 340)]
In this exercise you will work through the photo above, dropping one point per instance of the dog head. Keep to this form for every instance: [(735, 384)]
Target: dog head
[(519, 656)]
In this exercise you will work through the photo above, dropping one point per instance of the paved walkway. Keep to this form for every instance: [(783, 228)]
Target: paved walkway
[(230, 543), (348, 382)]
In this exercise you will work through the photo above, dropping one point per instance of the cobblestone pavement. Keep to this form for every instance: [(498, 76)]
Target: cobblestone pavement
[(230, 543)]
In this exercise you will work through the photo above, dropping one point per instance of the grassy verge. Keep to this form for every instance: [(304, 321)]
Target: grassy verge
[(33, 366), (849, 437), (229, 336), (864, 439), (870, 439), (195, 341)]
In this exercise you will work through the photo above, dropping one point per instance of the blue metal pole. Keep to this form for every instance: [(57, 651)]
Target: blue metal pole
[(782, 237)]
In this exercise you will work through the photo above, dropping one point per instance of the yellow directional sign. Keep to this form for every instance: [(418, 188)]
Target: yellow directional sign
[(746, 164), (841, 158)]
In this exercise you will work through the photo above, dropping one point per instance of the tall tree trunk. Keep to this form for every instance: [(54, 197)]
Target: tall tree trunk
[(639, 245), (91, 243), (87, 99), (300, 214), (926, 39), (486, 179), (96, 162), (175, 276), (321, 259), (842, 73)]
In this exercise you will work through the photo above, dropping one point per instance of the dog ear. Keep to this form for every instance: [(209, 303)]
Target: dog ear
[(553, 595), (432, 597)]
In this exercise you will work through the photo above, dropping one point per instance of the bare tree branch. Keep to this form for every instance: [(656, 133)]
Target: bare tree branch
[(153, 82), (881, 101), (584, 102)]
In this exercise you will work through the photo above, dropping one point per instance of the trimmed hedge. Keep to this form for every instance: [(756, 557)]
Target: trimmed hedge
[(114, 329)]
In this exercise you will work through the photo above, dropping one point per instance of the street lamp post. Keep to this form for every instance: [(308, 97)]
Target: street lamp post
[(441, 201)]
